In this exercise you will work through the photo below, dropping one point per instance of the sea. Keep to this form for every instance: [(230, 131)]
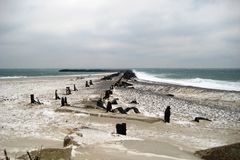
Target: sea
[(222, 79)]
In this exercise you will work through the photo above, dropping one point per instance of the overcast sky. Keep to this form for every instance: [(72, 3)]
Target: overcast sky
[(119, 33)]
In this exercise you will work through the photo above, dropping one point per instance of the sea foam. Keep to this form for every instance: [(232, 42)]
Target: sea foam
[(195, 82)]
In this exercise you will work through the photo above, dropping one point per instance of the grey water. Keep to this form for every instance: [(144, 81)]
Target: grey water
[(224, 79), (19, 73)]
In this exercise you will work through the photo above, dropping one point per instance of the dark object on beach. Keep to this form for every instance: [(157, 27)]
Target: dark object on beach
[(90, 82), (64, 102), (134, 102), (129, 74), (100, 103), (107, 94), (67, 141), (120, 110), (167, 115), (56, 95), (111, 87), (114, 101), (121, 128), (227, 152), (29, 156), (86, 85), (170, 95), (33, 101), (32, 98), (132, 108), (68, 90), (196, 119), (5, 154), (109, 107), (75, 88)]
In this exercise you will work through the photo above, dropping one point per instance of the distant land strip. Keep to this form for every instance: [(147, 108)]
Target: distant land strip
[(92, 70)]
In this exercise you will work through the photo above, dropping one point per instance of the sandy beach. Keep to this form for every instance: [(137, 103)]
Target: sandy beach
[(26, 127)]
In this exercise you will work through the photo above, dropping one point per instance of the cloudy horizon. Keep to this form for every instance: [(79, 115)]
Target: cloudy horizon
[(120, 34)]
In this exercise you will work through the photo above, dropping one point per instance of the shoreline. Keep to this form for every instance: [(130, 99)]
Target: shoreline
[(41, 122)]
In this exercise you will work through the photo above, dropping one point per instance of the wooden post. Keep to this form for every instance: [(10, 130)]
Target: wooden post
[(121, 128), (65, 101), (62, 102), (68, 91), (87, 85), (75, 88), (32, 98), (90, 82), (109, 107), (5, 154), (29, 156)]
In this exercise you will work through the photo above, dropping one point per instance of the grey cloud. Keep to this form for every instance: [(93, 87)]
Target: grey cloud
[(157, 33)]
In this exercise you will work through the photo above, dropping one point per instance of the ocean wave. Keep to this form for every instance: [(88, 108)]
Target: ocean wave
[(195, 82), (13, 77)]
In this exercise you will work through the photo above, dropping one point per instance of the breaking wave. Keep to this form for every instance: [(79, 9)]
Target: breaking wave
[(195, 82)]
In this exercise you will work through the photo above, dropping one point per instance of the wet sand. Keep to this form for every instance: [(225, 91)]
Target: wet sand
[(27, 127)]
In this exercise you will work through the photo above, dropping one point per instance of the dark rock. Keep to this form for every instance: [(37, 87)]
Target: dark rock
[(129, 74), (170, 95)]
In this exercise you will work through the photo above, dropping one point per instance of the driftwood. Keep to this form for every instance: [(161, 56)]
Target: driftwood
[(132, 108), (121, 129), (170, 95), (196, 119), (134, 102), (125, 111)]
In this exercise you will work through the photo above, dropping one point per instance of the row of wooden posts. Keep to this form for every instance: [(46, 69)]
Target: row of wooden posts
[(63, 99)]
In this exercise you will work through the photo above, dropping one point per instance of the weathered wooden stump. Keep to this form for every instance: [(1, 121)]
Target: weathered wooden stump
[(86, 85), (109, 107), (56, 95), (90, 82), (75, 88), (107, 94), (68, 90), (62, 102), (32, 98), (121, 128)]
